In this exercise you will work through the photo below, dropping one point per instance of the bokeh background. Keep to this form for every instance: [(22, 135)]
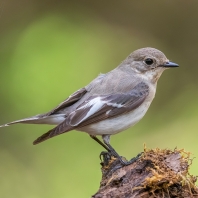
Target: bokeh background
[(49, 49)]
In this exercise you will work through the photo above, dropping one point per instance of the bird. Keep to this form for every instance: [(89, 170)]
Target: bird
[(111, 103)]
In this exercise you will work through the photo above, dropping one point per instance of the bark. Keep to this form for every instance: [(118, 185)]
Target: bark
[(156, 173)]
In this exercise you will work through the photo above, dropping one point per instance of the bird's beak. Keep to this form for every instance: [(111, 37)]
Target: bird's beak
[(170, 65)]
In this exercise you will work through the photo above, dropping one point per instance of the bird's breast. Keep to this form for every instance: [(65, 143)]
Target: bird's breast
[(117, 124)]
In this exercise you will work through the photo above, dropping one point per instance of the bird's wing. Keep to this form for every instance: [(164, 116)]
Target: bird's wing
[(74, 98), (97, 108), (68, 102)]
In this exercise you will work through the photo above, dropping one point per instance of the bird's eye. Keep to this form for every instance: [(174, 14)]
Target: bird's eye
[(149, 61)]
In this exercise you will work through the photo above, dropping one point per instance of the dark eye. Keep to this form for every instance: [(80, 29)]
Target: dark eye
[(149, 61)]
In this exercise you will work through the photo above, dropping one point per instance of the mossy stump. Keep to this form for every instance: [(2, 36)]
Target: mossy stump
[(155, 174)]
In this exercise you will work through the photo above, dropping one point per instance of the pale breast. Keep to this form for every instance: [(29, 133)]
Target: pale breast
[(117, 124)]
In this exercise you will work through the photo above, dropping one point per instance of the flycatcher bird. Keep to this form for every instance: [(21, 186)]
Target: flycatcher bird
[(111, 103)]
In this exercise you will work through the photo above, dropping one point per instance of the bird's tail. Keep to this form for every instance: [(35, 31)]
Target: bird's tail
[(58, 130), (52, 120)]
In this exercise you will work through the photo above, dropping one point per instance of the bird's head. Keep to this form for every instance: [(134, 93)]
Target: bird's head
[(150, 62)]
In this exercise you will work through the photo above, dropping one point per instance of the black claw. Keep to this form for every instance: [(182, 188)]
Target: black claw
[(110, 163), (133, 159), (105, 157)]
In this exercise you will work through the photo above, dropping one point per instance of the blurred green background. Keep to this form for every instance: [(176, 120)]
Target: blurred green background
[(49, 49)]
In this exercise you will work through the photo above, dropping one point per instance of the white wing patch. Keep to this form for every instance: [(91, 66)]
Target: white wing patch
[(97, 108), (114, 105), (96, 104)]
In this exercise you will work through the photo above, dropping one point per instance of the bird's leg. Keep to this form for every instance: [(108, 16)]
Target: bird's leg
[(101, 143), (110, 149), (106, 139)]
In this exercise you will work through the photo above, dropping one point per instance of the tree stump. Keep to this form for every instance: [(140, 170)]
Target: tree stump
[(156, 174)]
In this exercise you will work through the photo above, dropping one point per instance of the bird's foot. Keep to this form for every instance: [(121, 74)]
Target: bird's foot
[(106, 158), (126, 163), (111, 163), (134, 159)]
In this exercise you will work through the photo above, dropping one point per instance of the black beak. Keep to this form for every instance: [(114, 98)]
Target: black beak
[(170, 65)]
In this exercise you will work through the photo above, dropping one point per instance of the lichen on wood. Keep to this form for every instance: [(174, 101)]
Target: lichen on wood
[(157, 173)]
